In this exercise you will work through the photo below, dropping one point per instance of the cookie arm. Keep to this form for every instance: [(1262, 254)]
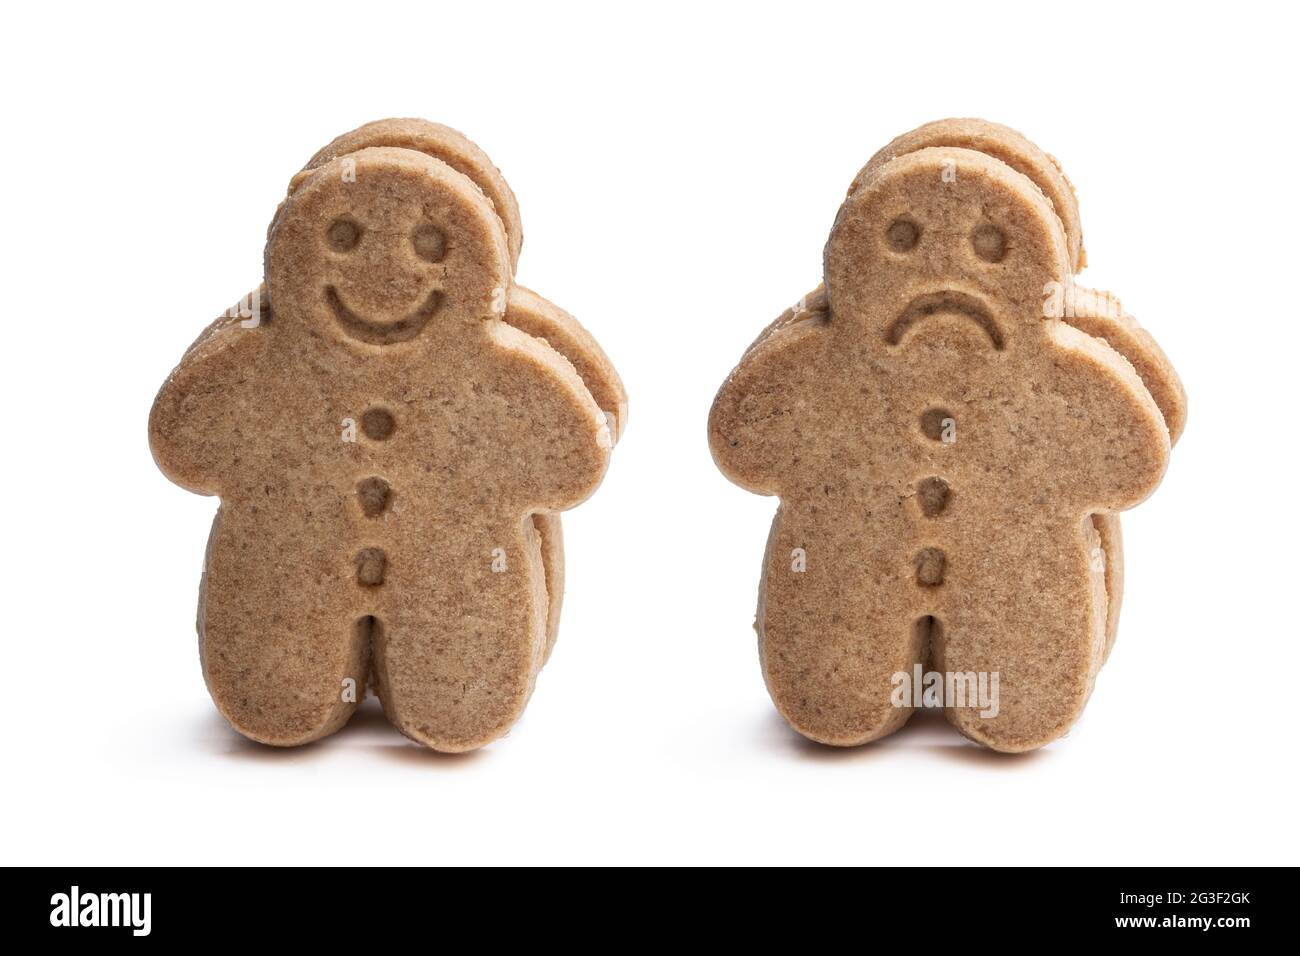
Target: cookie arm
[(1120, 454), (812, 305), (762, 411), (559, 440), (1100, 315), (189, 428), (529, 312)]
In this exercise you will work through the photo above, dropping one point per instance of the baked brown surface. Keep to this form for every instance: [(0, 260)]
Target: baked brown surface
[(1097, 313), (390, 451), (895, 546), (530, 313)]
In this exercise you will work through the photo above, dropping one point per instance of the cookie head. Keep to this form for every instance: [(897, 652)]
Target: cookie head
[(386, 246), (444, 143), (943, 232)]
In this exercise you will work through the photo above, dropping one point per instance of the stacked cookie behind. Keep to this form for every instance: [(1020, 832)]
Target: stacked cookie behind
[(999, 206), (393, 436)]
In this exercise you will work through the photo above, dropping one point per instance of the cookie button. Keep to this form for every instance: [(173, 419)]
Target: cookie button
[(930, 565), (374, 494), (371, 565), (378, 424), (938, 424), (932, 494)]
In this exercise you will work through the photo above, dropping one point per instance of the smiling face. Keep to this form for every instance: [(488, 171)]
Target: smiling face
[(383, 245), (943, 232)]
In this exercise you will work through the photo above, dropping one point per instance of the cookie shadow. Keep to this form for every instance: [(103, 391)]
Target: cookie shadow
[(368, 730), (222, 740), (927, 731)]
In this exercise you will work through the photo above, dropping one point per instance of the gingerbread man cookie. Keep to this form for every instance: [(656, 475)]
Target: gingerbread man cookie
[(392, 427), (951, 426)]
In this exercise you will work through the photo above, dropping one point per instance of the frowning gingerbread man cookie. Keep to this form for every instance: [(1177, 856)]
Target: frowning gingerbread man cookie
[(951, 427), (392, 427)]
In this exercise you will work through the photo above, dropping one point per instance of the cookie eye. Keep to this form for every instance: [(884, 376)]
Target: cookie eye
[(344, 234), (902, 235), (429, 243), (989, 243)]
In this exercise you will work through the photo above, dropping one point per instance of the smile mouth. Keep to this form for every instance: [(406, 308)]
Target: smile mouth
[(945, 303), (383, 333)]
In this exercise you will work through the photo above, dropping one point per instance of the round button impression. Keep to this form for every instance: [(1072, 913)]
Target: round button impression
[(378, 424)]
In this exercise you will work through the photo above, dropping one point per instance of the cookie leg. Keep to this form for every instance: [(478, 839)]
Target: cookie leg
[(1112, 557), (462, 634), (837, 622), (552, 535), (1019, 651), (284, 646)]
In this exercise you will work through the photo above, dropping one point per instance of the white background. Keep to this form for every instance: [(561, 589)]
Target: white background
[(678, 170)]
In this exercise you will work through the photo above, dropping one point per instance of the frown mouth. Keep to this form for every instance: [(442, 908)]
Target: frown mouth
[(948, 302), (383, 333)]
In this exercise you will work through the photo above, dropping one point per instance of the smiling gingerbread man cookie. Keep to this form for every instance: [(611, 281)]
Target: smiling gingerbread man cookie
[(390, 451), (942, 446), (525, 310)]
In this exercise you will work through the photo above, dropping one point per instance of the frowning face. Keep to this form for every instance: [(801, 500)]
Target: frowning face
[(384, 243), (944, 232)]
